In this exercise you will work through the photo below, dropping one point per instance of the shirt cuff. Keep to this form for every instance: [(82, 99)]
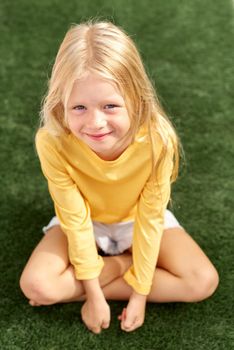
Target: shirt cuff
[(88, 273), (140, 288)]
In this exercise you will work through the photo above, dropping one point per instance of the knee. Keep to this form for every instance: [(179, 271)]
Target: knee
[(38, 289), (202, 284)]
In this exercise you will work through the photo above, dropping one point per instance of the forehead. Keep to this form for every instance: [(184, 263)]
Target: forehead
[(93, 86)]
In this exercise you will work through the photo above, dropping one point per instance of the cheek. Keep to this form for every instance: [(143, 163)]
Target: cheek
[(73, 123), (122, 123), (126, 123)]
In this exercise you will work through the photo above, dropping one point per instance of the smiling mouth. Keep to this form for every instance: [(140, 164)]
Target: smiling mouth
[(99, 136)]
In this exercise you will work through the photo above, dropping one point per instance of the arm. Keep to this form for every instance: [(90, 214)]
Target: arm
[(148, 227), (71, 208), (74, 215), (147, 236)]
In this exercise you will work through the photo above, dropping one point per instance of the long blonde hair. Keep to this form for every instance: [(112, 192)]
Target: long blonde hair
[(105, 49)]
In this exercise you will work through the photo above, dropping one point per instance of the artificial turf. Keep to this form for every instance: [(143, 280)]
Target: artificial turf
[(188, 49)]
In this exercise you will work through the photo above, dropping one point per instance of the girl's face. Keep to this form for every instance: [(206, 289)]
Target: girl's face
[(97, 115)]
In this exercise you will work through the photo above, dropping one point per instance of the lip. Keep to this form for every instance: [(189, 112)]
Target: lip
[(99, 137)]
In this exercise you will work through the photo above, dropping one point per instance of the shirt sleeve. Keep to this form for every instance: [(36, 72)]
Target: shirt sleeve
[(72, 211), (148, 227)]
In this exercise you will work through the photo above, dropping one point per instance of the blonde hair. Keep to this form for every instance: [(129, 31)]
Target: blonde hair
[(105, 49)]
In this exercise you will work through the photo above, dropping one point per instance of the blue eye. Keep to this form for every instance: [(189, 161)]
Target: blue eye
[(79, 107), (110, 106)]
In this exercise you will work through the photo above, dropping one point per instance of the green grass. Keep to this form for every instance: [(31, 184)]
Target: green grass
[(188, 49)]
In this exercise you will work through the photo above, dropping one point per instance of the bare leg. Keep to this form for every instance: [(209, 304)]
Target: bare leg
[(183, 273), (49, 278)]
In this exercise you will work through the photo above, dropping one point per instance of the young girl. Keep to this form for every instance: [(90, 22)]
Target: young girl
[(109, 154)]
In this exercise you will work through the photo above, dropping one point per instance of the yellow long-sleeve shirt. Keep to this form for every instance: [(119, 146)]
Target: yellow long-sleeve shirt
[(84, 187)]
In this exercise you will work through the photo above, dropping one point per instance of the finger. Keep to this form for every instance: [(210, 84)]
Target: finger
[(105, 325), (132, 328), (135, 325), (128, 330), (126, 326), (33, 303), (123, 315), (96, 330)]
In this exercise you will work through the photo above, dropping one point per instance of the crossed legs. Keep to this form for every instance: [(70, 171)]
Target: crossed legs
[(183, 272), (49, 278)]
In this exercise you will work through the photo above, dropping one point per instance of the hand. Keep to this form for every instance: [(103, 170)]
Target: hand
[(96, 315), (133, 316)]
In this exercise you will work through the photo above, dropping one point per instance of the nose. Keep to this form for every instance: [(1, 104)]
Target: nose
[(96, 120)]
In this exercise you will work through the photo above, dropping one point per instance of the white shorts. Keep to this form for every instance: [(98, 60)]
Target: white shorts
[(114, 239)]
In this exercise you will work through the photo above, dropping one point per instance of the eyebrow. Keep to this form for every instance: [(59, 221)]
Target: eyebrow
[(111, 99)]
